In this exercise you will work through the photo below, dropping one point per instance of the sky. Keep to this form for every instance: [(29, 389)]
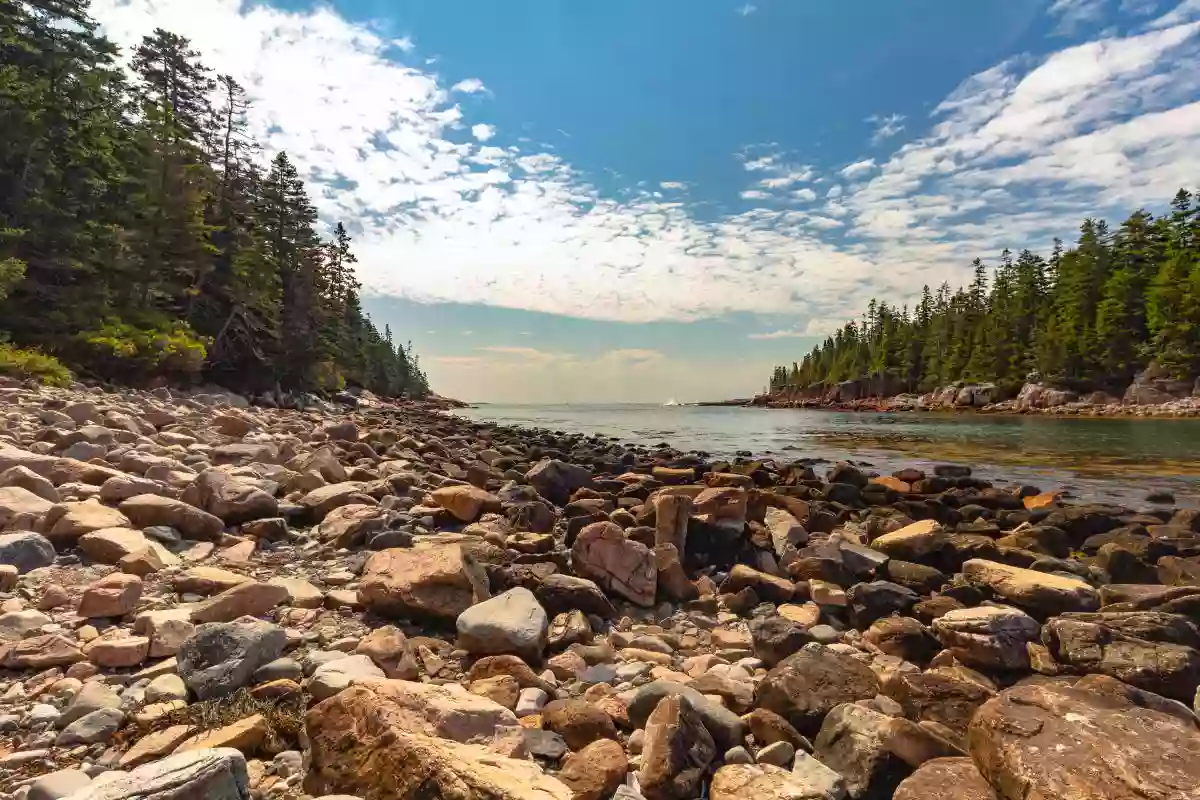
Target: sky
[(643, 200)]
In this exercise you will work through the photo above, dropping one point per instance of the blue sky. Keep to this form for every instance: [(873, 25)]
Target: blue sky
[(634, 200)]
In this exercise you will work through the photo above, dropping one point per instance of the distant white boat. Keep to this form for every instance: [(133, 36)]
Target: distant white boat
[(672, 402)]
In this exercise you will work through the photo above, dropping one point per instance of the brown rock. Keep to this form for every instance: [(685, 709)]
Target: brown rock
[(145, 510), (252, 599), (389, 649), (368, 730), (769, 728), (1049, 740), (465, 503), (232, 499), (114, 595), (246, 735), (603, 554), (945, 779), (807, 685), (677, 751), (768, 587), (349, 525), (673, 582), (321, 501), (68, 521), (207, 581), (155, 745), (579, 723), (1037, 592), (439, 582), (41, 652), (117, 650), (110, 545), (502, 690), (596, 771), (915, 542)]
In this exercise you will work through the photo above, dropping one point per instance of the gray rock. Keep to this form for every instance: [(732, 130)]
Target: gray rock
[(725, 727), (279, 669), (334, 676), (26, 550), (16, 624), (98, 726), (56, 785), (218, 774), (822, 780), (220, 657), (779, 754), (166, 688), (738, 755), (92, 697), (511, 623)]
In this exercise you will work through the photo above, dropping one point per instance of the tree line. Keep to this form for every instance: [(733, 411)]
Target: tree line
[(143, 238), (1090, 316)]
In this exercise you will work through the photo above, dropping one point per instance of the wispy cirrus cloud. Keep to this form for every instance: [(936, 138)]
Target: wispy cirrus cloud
[(886, 126), (1074, 14), (747, 9)]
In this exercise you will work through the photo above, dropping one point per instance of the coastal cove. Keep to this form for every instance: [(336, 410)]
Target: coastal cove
[(1100, 459)]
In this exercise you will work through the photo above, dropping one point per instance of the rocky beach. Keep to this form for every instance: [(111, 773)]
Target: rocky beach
[(203, 598)]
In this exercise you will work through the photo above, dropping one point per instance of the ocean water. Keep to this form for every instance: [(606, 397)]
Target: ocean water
[(1100, 459)]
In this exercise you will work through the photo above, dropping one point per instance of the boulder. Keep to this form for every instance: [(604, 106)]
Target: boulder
[(68, 521), (334, 676), (110, 545), (807, 685), (250, 599), (775, 638), (17, 502), (579, 722), (989, 637), (465, 502), (320, 501), (787, 534), (167, 629), (41, 652), (377, 729), (389, 649), (619, 565), (440, 582), (220, 657), (94, 728), (1168, 669), (596, 771), (219, 774), (726, 728), (350, 525), (916, 542), (556, 480), (1039, 593), (114, 595), (945, 779), (232, 499), (677, 751), (938, 697), (147, 510), (513, 622), (1050, 740), (26, 550), (560, 593), (765, 782)]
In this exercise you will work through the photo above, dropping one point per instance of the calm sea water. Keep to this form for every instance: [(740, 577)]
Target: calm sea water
[(1118, 460)]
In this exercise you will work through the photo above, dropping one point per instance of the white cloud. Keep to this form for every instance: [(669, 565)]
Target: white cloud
[(483, 132), (886, 126), (404, 43), (834, 191), (755, 194), (858, 169), (814, 327), (1139, 8), (1075, 14), (469, 86), (805, 195), (672, 185), (747, 9), (1016, 154)]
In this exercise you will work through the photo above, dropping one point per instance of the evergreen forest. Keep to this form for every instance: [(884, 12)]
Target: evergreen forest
[(144, 235), (1090, 316)]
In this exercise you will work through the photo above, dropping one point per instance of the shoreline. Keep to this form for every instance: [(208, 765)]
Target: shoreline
[(1184, 408)]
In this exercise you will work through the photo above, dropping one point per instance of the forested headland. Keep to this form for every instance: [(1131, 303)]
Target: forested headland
[(144, 235), (1087, 317)]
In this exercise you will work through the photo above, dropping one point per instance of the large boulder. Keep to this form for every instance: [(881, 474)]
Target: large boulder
[(807, 685), (513, 622), (232, 499), (1168, 669), (146, 510), (110, 545), (382, 728), (619, 565), (766, 782), (916, 542), (66, 522), (438, 582), (220, 657), (26, 550), (1052, 740), (1040, 593), (213, 774)]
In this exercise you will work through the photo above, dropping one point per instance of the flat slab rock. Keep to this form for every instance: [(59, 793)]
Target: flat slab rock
[(1051, 741)]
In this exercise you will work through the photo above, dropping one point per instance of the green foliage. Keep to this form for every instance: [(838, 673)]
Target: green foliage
[(24, 364), (1093, 315), (142, 238)]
